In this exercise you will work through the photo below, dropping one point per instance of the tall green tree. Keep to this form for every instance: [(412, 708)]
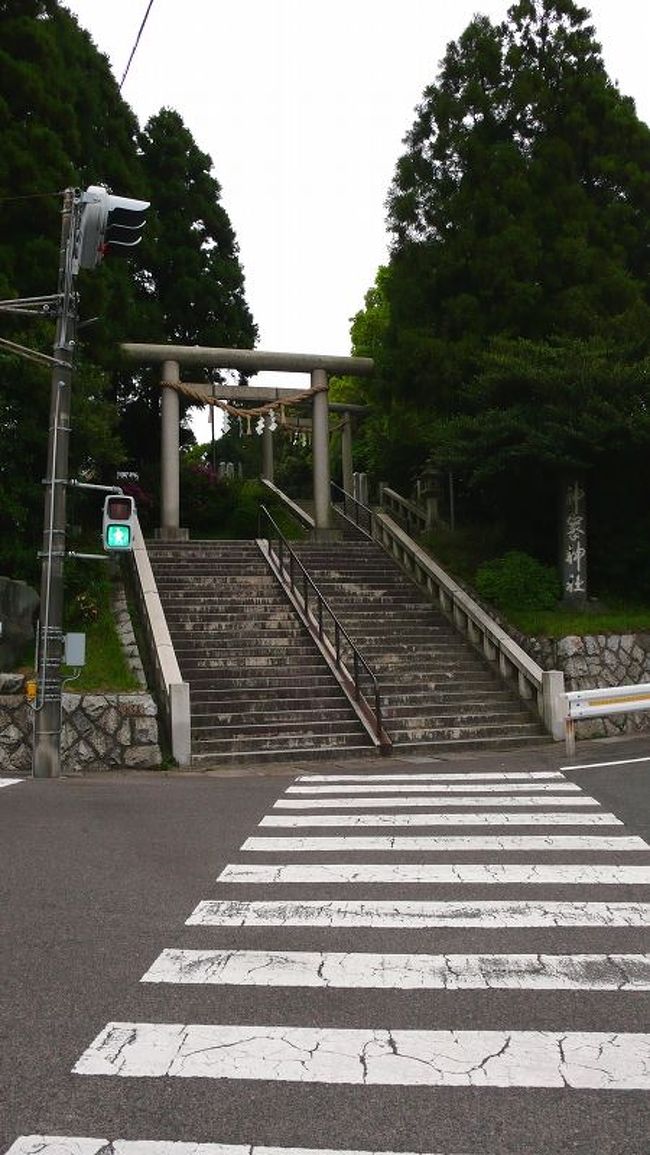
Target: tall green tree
[(190, 280), (85, 135), (519, 275), (63, 122)]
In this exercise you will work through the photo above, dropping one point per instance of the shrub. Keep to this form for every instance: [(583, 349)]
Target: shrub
[(518, 581)]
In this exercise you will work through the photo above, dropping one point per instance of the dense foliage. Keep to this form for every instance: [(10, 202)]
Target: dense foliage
[(511, 326), (63, 122)]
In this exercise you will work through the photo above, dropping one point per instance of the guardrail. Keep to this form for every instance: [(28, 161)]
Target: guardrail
[(544, 689), (338, 647), (354, 510), (411, 515), (298, 512), (173, 693), (600, 703)]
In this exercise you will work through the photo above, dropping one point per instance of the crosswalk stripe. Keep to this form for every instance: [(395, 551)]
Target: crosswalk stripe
[(471, 776), (405, 783), (577, 1059), (439, 788), (381, 914), (10, 781), (443, 842), (446, 818), (77, 1145), (427, 800), (437, 873), (328, 969)]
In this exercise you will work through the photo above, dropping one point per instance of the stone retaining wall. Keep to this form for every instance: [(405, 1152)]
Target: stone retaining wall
[(598, 661), (100, 732)]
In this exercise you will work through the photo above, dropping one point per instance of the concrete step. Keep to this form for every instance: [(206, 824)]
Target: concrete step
[(223, 759), (268, 715), (463, 716), (210, 685), (257, 661), (458, 729), (294, 740)]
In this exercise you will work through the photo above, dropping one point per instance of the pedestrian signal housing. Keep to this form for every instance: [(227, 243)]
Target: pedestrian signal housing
[(118, 523)]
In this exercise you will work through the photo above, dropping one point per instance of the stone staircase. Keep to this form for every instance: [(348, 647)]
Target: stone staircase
[(438, 694), (259, 688)]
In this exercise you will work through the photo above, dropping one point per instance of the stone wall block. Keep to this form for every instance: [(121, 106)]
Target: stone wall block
[(144, 756), (111, 720), (100, 732), (569, 647), (576, 667), (145, 731), (124, 734), (94, 705)]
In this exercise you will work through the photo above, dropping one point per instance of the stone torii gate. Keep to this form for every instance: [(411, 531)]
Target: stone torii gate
[(171, 357)]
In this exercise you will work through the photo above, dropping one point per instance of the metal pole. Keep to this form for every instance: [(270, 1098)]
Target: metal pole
[(47, 720)]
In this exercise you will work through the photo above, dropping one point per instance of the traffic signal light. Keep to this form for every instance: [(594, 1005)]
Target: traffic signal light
[(118, 522), (108, 224)]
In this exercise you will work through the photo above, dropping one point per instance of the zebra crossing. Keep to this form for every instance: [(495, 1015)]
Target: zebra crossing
[(472, 833)]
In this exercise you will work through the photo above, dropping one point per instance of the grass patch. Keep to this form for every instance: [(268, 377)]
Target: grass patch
[(561, 623), (88, 611), (105, 668), (463, 551)]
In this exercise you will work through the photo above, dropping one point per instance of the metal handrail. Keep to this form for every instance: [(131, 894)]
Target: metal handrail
[(358, 508), (303, 585)]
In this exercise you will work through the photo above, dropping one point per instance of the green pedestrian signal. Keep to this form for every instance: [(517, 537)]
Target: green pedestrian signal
[(118, 522)]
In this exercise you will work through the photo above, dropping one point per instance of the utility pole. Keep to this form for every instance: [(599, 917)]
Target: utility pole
[(94, 224), (47, 717)]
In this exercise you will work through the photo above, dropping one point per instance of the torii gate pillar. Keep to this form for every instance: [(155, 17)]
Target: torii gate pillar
[(170, 506), (320, 450), (346, 451), (267, 450)]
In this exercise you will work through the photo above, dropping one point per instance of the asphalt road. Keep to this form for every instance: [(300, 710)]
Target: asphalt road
[(99, 875)]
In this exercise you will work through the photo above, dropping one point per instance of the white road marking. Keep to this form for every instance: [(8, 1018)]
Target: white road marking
[(443, 788), (443, 842), (446, 818), (76, 1145), (263, 968), (490, 776), (381, 914), (503, 874), (594, 765), (10, 781), (361, 802), (563, 1059)]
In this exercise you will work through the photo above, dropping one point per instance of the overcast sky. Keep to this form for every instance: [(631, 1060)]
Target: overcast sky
[(303, 107)]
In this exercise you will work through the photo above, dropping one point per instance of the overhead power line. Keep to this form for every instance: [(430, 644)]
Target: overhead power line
[(137, 41)]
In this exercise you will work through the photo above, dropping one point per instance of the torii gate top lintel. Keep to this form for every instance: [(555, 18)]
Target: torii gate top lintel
[(250, 360)]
